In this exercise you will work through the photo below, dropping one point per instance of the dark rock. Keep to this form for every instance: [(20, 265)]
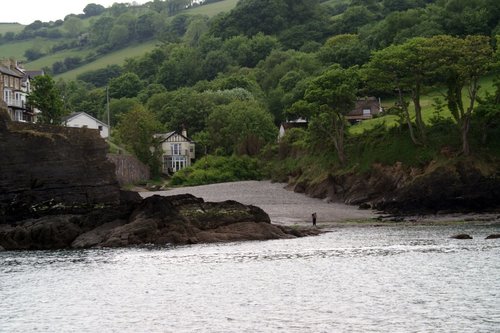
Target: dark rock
[(178, 219), (462, 236), (493, 236), (454, 187), (47, 167)]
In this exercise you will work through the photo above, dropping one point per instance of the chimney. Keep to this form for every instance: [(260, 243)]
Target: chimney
[(184, 131)]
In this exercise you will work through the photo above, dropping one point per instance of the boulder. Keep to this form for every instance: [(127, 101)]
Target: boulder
[(462, 236), (493, 236), (178, 219)]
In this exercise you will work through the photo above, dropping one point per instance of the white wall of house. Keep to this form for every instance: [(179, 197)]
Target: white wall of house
[(84, 120), (178, 153)]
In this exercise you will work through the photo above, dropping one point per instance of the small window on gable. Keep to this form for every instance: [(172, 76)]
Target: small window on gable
[(100, 128)]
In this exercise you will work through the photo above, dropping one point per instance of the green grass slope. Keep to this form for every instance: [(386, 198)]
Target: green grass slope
[(214, 8), (11, 27), (117, 58)]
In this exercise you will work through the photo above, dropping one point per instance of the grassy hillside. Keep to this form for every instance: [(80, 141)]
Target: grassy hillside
[(18, 48), (11, 27), (213, 8), (117, 57)]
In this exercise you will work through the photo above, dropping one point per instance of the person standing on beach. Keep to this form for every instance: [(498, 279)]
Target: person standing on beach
[(314, 218)]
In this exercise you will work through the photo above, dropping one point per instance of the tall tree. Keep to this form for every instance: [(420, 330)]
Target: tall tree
[(46, 97), (463, 62), (333, 94), (136, 131)]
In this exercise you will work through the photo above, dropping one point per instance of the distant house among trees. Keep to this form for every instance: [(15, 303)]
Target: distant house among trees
[(178, 151), (84, 120), (297, 123), (365, 108)]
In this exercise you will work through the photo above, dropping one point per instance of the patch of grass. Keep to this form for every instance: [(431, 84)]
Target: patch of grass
[(114, 58), (214, 8), (11, 27)]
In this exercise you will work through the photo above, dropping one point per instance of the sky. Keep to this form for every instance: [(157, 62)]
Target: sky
[(27, 11)]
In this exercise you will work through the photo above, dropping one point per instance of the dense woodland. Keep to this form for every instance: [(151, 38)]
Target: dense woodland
[(233, 78)]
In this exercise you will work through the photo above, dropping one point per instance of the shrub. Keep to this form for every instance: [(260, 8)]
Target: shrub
[(218, 169)]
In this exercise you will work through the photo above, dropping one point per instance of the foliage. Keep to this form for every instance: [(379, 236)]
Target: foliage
[(218, 169), (333, 94), (241, 127), (135, 131), (46, 97)]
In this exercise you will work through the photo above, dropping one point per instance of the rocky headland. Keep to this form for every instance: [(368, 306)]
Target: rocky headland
[(463, 185), (58, 190)]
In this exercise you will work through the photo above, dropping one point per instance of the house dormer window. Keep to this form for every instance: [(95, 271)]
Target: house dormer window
[(367, 112)]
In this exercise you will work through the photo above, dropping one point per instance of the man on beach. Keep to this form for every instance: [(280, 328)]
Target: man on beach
[(314, 219)]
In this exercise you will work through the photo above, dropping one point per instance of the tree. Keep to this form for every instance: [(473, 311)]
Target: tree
[(405, 69), (119, 35), (241, 127), (346, 50), (120, 107), (463, 63), (46, 97), (136, 131), (126, 85), (74, 26), (334, 95), (93, 9)]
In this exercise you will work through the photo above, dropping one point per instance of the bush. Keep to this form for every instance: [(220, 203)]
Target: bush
[(218, 169)]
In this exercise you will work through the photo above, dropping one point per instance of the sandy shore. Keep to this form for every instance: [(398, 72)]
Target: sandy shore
[(283, 206), (289, 208)]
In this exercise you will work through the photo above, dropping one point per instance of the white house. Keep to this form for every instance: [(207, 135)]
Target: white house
[(82, 119), (297, 123), (177, 151)]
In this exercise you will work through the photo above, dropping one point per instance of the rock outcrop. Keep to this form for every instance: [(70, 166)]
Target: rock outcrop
[(180, 219), (43, 167), (448, 187)]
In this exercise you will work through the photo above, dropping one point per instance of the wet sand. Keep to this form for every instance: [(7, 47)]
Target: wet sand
[(283, 206)]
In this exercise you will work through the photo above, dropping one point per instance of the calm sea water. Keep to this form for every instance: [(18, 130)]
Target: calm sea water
[(353, 279)]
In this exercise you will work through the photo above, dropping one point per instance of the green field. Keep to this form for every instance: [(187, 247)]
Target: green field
[(16, 49), (213, 8), (11, 27), (117, 58)]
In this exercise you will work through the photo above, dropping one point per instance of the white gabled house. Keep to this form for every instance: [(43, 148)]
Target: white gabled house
[(178, 151), (84, 120)]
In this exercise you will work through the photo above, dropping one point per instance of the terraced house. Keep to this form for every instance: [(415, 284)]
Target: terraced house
[(14, 90)]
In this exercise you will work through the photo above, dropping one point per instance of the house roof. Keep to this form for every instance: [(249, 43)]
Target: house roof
[(11, 72), (32, 74), (371, 103), (166, 136), (77, 114)]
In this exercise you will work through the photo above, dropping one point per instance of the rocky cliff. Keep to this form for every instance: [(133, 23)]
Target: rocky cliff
[(446, 186), (52, 166)]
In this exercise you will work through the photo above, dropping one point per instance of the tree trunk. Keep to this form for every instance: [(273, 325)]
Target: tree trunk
[(338, 125), (407, 116), (465, 135), (418, 113)]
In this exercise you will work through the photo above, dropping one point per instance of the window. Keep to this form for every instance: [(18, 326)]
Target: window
[(100, 128), (176, 148), (367, 112), (178, 162)]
